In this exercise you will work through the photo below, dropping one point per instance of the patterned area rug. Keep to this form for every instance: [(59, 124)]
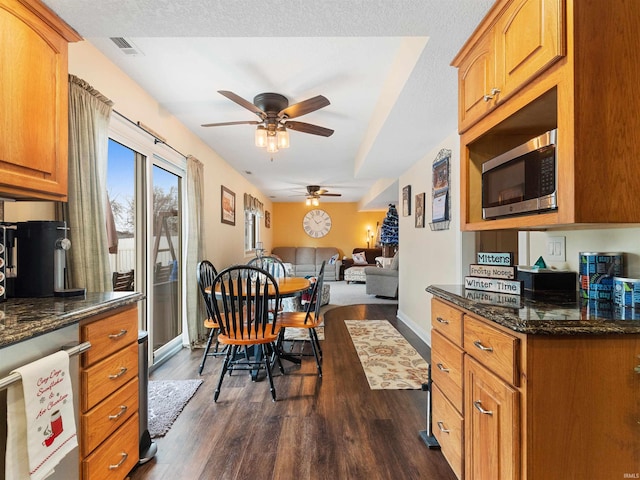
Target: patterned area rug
[(302, 333), (167, 398), (388, 360)]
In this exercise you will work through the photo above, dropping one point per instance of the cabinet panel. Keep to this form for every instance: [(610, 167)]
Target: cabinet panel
[(529, 38), (476, 78), (446, 368), (447, 320), (494, 348), (448, 429), (33, 101), (107, 337), (492, 425)]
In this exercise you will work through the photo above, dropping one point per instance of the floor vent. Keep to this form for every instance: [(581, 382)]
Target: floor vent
[(126, 46)]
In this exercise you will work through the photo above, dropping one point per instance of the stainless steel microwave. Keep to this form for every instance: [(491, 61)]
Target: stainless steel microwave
[(523, 180)]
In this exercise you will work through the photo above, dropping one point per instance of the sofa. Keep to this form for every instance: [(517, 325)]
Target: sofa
[(306, 261), (383, 282)]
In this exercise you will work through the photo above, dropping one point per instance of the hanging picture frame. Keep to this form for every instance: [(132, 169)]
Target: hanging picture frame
[(420, 210), (267, 219), (227, 206), (440, 199), (406, 201)]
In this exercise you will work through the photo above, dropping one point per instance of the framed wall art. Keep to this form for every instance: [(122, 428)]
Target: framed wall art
[(228, 206), (440, 201), (267, 219), (406, 201), (420, 210)]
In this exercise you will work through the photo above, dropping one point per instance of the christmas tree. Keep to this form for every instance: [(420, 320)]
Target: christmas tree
[(389, 234)]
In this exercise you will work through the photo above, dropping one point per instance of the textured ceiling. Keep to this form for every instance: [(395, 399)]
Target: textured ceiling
[(383, 65)]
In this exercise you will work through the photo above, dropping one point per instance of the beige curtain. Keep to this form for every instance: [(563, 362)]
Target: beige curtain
[(195, 250), (84, 212)]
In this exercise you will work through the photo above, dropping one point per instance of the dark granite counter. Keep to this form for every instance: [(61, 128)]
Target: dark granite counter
[(549, 314), (25, 318)]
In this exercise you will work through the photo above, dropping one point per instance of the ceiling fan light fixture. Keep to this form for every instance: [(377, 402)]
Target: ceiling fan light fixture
[(272, 142), (308, 202), (261, 136), (283, 137), (315, 202)]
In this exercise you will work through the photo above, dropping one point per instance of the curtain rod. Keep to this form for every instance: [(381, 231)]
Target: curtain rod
[(156, 138)]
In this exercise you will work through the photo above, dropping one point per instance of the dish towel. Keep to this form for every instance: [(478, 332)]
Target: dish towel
[(41, 424)]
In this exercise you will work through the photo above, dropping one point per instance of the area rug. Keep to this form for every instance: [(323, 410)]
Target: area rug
[(388, 360), (295, 334), (167, 398)]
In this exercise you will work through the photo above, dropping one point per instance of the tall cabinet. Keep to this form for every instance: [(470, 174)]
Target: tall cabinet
[(537, 65), (33, 101)]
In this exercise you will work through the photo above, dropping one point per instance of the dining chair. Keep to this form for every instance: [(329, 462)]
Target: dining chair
[(271, 264), (205, 274), (242, 313), (310, 319)]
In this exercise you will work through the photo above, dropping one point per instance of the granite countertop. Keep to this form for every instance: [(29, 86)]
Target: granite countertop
[(546, 314), (25, 318)]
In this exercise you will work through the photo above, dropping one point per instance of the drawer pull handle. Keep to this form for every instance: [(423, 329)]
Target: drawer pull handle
[(442, 429), (122, 333), (479, 344), (442, 368), (478, 405), (119, 464), (123, 408), (442, 320), (122, 371)]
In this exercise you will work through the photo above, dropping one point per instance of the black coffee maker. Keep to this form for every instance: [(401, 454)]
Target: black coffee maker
[(41, 248)]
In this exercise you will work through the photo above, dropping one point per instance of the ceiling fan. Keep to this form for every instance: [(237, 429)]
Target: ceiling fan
[(314, 192), (275, 113)]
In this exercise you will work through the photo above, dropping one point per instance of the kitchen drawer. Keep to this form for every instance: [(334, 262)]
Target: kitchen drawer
[(106, 417), (105, 377), (447, 320), (448, 428), (117, 456), (109, 335), (495, 349), (447, 367)]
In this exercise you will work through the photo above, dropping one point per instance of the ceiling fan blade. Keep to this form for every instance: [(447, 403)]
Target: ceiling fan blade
[(248, 122), (308, 128), (304, 107), (330, 194), (243, 103)]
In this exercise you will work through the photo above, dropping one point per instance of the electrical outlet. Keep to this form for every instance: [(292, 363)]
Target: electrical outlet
[(556, 249)]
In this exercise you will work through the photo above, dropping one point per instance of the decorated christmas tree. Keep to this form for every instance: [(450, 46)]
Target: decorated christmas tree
[(389, 233)]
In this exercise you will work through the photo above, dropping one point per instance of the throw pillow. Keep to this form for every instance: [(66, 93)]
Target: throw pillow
[(359, 258), (333, 259)]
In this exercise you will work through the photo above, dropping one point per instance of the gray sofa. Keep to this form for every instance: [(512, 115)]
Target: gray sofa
[(306, 261), (383, 282)]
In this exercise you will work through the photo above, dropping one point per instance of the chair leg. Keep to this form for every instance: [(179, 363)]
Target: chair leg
[(225, 365), (317, 340), (206, 350), (267, 365), (315, 352)]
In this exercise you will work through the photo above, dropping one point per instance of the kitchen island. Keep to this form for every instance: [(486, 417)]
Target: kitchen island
[(534, 387)]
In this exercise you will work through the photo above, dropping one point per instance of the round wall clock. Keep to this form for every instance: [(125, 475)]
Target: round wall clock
[(316, 223)]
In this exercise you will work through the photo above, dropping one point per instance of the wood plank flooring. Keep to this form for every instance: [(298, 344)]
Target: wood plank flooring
[(334, 427)]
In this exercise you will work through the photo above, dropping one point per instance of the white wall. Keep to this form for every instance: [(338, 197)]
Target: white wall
[(430, 257)]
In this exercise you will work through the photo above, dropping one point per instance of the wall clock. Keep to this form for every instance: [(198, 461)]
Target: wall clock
[(316, 223)]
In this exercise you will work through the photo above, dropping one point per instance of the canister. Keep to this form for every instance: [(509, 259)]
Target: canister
[(626, 292), (597, 270)]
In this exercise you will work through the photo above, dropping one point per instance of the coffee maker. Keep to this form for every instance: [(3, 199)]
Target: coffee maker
[(41, 248)]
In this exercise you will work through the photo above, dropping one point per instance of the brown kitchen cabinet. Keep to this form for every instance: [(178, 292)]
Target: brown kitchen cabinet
[(534, 406), (520, 43), (33, 101), (109, 438), (547, 64)]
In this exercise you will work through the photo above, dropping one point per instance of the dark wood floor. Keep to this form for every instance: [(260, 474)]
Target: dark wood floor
[(334, 427)]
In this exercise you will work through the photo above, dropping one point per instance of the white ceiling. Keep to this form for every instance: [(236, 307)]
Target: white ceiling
[(383, 65)]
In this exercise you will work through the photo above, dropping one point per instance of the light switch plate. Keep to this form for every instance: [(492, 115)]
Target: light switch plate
[(556, 249)]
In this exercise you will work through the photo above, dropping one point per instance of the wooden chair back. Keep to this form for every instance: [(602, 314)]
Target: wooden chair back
[(244, 294), (123, 281), (273, 265), (205, 274), (316, 297)]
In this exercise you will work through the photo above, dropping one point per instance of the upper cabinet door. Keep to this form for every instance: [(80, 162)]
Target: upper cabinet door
[(33, 102), (529, 37)]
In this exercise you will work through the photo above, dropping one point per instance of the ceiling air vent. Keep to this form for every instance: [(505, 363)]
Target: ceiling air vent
[(126, 46)]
